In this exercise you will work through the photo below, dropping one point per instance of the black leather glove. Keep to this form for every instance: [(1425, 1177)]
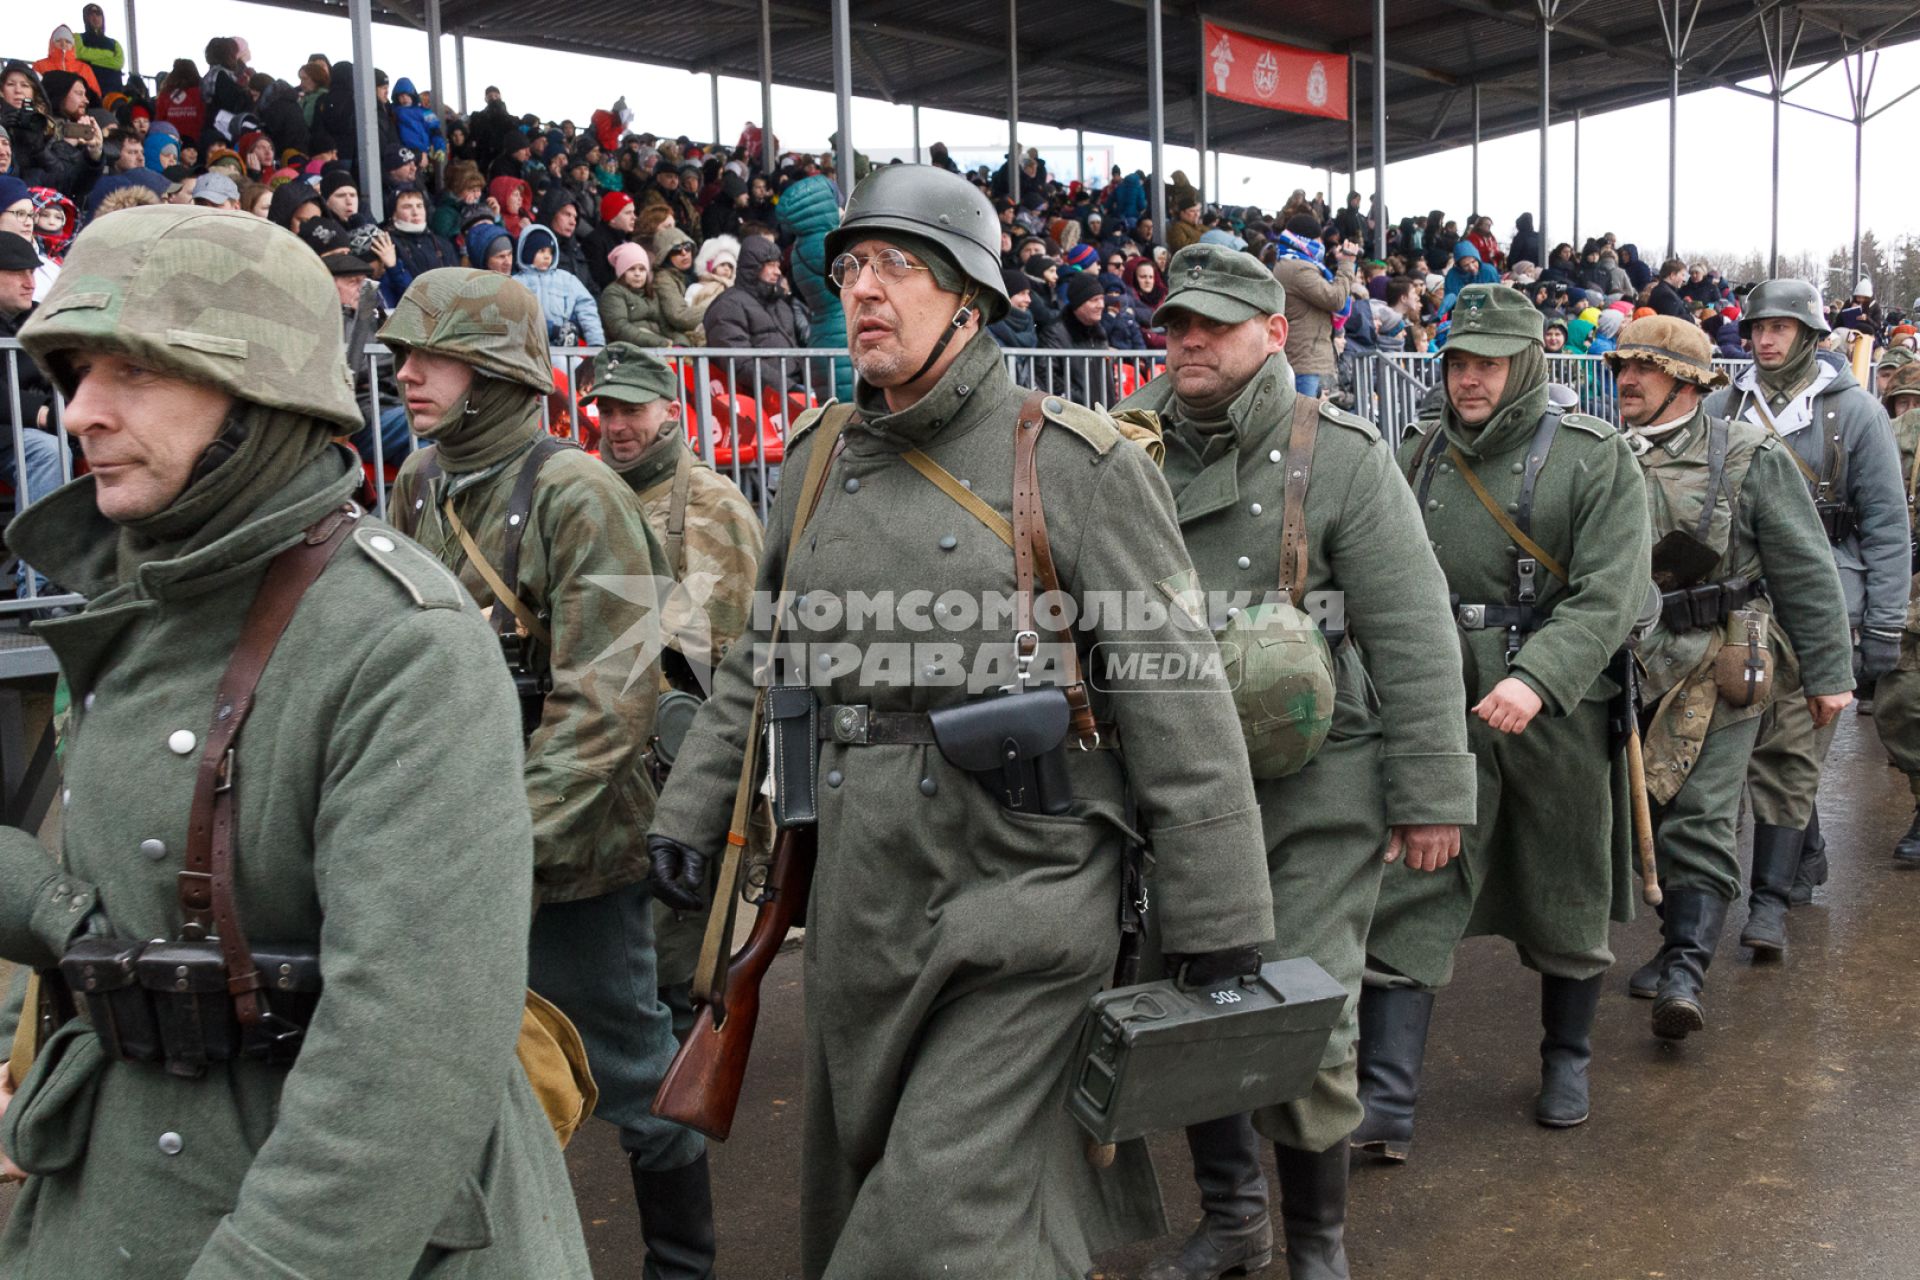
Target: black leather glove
[(678, 875), (1879, 653), (1204, 970)]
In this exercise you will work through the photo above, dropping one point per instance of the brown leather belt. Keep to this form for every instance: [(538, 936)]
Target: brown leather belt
[(859, 725)]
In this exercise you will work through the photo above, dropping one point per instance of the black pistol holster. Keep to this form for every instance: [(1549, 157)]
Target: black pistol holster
[(1014, 745)]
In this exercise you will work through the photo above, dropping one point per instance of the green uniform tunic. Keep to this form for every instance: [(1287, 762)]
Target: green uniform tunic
[(405, 1141), (952, 945), (1763, 526), (1547, 863), (1896, 699), (1397, 751)]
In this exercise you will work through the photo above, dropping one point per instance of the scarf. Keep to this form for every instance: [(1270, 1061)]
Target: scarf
[(495, 421), (655, 461), (1515, 415), (1795, 375), (269, 448), (1313, 251)]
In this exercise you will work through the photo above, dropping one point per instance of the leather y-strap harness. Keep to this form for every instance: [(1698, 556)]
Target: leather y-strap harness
[(206, 883)]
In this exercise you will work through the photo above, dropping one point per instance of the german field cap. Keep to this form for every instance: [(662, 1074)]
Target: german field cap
[(1494, 320), (1221, 284)]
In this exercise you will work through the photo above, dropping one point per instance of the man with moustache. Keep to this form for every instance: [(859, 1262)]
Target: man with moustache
[(956, 926), (1282, 497), (1738, 549)]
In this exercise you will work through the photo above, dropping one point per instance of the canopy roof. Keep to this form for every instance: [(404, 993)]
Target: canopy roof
[(1082, 62)]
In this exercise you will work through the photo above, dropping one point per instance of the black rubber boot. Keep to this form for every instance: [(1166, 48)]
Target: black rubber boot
[(1644, 984), (1393, 1042), (1812, 871), (1692, 929), (1776, 856), (1566, 1014), (1313, 1211), (1906, 854), (1235, 1235), (676, 1220)]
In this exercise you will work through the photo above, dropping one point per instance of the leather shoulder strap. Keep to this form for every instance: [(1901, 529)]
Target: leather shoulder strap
[(1518, 530), (206, 884), (1537, 450), (1293, 530), (1033, 561), (520, 504), (677, 515), (944, 480), (828, 443), (1716, 474)]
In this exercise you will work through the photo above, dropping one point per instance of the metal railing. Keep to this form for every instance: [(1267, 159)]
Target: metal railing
[(41, 460), (1389, 386)]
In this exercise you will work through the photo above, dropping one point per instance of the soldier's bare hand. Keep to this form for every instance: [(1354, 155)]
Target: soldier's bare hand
[(1828, 705), (9, 1171), (1511, 706), (1426, 847)]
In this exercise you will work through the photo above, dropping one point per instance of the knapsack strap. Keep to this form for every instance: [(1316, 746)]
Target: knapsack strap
[(206, 883), (944, 480), (677, 514), (1033, 561), (1293, 530)]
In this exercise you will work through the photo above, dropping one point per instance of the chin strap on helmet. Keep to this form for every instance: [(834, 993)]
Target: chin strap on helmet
[(959, 322)]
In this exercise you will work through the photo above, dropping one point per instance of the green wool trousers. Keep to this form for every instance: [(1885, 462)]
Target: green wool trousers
[(1896, 714), (1784, 773), (1696, 832)]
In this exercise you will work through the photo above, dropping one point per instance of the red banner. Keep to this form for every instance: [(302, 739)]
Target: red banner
[(1261, 73)]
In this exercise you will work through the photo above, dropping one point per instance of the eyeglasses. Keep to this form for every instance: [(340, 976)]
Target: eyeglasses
[(25, 215), (890, 266)]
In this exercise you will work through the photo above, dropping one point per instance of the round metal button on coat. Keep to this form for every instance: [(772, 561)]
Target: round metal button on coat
[(87, 702), (853, 484), (833, 777), (170, 1144), (1244, 562), (949, 542), (381, 542), (1255, 509), (1273, 456), (928, 786), (1053, 405), (155, 849), (182, 742)]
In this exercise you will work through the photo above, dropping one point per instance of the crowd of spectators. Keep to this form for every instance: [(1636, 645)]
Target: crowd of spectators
[(626, 235)]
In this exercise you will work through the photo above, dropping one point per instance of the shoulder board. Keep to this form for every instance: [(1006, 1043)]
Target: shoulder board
[(1091, 425), (807, 422), (1588, 423), (1420, 426), (1351, 421), (426, 581)]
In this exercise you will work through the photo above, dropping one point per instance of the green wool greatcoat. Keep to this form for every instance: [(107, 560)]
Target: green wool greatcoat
[(405, 1141), (952, 945), (1896, 699), (1397, 752), (1547, 863)]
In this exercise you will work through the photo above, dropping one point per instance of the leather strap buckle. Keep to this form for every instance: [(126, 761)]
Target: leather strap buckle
[(850, 724)]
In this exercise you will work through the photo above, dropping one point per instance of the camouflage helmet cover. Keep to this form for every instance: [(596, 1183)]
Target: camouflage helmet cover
[(1281, 673), (481, 318), (936, 205), (1675, 346), (1787, 299), (214, 296), (1904, 382)]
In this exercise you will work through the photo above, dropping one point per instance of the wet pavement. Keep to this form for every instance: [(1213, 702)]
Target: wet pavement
[(1783, 1142)]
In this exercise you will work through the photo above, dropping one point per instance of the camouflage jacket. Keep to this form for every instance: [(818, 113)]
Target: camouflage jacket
[(718, 557), (589, 566)]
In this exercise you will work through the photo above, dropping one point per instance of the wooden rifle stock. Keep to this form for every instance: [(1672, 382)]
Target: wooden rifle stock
[(701, 1089)]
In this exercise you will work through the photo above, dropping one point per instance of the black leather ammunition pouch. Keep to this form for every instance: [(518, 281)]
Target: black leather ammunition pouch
[(532, 678), (1839, 519), (99, 973), (793, 753), (1707, 605), (1014, 744)]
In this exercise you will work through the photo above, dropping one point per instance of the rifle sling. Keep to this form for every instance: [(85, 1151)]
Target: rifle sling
[(1505, 521), (206, 882), (1033, 558)]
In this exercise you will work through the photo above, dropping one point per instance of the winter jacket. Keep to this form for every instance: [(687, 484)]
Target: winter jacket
[(1666, 301), (183, 109), (1015, 330), (226, 101), (1456, 281), (59, 59), (488, 127), (281, 116), (36, 393), (681, 316), (1122, 329), (1639, 274), (594, 247), (502, 189), (480, 243), (66, 167), (1048, 321), (1130, 198), (569, 255), (1312, 301), (418, 127), (808, 210), (1183, 233), (448, 213), (633, 317), (422, 251), (1526, 241), (571, 313), (755, 315), (105, 55)]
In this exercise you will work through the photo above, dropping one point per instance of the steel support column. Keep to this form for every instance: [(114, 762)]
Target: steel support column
[(713, 85), (916, 133), (1860, 79), (769, 161), (1576, 177), (1773, 237), (1339, 201), (843, 94), (1673, 161), (1380, 129), (460, 68), (365, 110), (1200, 105), (1157, 121), (436, 83), (1013, 100), (133, 44), (1476, 147), (1080, 154), (1546, 47)]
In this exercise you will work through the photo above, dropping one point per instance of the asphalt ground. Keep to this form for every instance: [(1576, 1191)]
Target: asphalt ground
[(1781, 1143)]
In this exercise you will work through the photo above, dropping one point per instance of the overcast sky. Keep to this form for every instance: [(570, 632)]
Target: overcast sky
[(1725, 137)]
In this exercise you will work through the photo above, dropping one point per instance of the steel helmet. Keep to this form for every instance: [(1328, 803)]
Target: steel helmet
[(1904, 382), (481, 318), (214, 296), (1791, 299), (936, 205), (1281, 673)]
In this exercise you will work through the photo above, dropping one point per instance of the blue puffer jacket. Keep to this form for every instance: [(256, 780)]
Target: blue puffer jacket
[(807, 211), (563, 299), (418, 126)]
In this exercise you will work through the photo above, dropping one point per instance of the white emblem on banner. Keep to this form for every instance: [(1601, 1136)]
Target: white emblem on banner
[(1317, 84), (1266, 74), (1222, 62)]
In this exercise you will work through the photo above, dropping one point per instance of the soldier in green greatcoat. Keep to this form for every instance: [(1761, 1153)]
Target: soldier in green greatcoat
[(713, 539), (555, 546), (1738, 555), (1538, 519), (953, 940), (198, 353), (1896, 699), (1836, 434), (1393, 778)]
